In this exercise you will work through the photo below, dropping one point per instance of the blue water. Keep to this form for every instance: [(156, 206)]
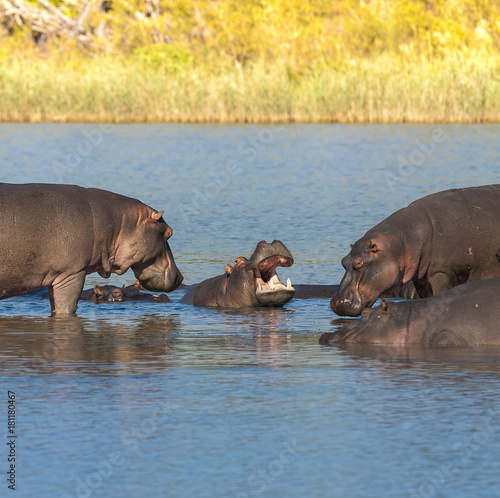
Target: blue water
[(153, 399)]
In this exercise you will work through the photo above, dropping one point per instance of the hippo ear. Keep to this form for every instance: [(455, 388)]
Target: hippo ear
[(228, 269), (351, 245), (168, 233), (156, 216), (98, 291), (384, 305), (240, 262)]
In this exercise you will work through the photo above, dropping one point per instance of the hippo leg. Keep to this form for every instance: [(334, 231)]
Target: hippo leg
[(64, 294)]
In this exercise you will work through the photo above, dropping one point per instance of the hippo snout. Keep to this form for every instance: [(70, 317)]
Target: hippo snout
[(345, 306), (339, 337), (329, 339)]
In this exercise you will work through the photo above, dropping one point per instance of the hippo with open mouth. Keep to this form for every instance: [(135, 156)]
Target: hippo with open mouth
[(250, 283)]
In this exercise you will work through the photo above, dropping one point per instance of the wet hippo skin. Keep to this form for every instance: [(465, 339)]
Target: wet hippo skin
[(54, 235), (437, 242), (250, 283), (466, 315)]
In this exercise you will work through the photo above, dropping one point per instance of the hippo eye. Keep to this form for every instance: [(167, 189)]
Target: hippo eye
[(358, 263)]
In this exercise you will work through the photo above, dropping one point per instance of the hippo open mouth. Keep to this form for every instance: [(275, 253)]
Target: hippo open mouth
[(269, 288)]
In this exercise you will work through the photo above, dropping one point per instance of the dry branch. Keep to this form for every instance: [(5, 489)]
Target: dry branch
[(49, 21)]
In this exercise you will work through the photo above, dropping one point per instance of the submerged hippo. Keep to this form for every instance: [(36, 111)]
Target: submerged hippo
[(54, 235), (134, 293), (104, 294), (466, 315), (250, 283), (439, 241), (111, 294)]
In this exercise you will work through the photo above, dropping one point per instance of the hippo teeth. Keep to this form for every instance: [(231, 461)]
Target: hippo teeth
[(288, 283), (259, 284), (274, 282)]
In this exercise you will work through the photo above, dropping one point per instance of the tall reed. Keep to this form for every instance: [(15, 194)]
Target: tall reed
[(122, 89)]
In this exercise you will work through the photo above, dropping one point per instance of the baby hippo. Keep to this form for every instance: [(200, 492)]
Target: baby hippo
[(111, 294), (103, 294), (136, 293), (251, 283)]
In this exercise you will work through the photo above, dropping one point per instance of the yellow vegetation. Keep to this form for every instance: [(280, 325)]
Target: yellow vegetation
[(252, 61)]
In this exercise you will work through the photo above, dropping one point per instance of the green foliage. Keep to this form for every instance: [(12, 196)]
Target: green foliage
[(166, 57), (294, 32), (255, 60)]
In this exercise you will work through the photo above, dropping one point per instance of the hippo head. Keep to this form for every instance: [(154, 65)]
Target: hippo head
[(254, 282), (108, 294), (372, 267), (386, 324), (153, 264)]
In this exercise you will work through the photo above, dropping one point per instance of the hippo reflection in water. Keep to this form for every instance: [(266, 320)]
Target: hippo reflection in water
[(250, 283)]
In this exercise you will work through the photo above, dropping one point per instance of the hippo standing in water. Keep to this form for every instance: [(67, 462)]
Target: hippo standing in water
[(439, 241), (465, 315), (54, 235), (250, 283)]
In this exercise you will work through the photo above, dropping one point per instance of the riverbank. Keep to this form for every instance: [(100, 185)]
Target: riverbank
[(385, 89)]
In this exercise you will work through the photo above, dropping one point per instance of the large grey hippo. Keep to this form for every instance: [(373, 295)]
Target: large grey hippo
[(250, 283), (54, 235), (439, 241), (465, 315)]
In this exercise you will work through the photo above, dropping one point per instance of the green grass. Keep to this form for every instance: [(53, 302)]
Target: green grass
[(122, 89)]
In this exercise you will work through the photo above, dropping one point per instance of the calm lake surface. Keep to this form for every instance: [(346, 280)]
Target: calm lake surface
[(147, 399)]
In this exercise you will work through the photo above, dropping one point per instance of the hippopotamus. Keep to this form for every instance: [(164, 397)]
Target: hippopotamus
[(468, 314), (134, 293), (54, 235), (104, 294), (250, 283), (110, 294), (438, 242)]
